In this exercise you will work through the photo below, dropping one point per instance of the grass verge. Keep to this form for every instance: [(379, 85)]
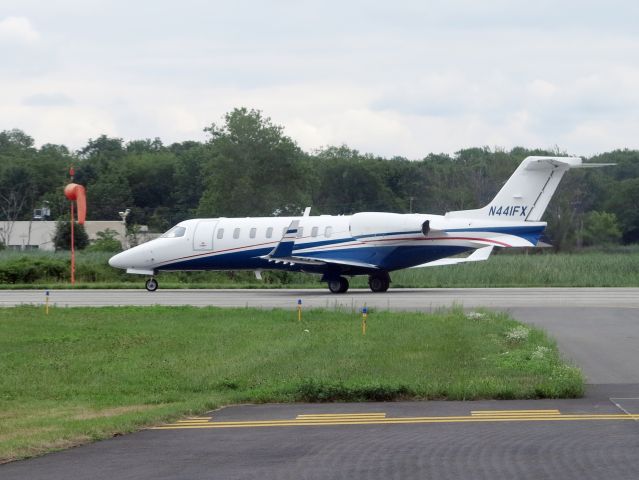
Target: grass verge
[(618, 267), (83, 374)]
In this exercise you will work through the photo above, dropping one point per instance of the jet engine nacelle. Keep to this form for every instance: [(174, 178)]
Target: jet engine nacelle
[(370, 224)]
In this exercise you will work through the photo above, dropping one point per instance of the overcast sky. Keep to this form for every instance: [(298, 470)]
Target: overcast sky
[(390, 78)]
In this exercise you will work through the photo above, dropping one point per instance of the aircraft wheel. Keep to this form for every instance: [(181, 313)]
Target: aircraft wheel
[(339, 285), (151, 285), (379, 282)]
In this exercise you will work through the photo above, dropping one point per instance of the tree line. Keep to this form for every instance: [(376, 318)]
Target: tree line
[(248, 166)]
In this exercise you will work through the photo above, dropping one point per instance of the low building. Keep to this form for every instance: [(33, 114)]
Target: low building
[(38, 235)]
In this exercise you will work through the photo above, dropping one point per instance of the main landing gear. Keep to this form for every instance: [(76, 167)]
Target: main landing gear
[(151, 285), (379, 282), (338, 285)]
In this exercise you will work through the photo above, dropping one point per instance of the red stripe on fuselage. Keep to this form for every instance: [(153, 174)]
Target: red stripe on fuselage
[(471, 239)]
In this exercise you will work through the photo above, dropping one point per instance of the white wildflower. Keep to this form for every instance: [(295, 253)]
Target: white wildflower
[(540, 352), (518, 334)]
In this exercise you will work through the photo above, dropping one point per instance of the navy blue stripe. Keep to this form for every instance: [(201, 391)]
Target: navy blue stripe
[(300, 245)]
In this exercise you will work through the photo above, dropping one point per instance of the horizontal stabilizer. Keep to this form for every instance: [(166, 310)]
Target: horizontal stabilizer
[(478, 255)]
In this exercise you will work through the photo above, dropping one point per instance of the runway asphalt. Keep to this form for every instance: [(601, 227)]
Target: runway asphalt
[(422, 299), (594, 437)]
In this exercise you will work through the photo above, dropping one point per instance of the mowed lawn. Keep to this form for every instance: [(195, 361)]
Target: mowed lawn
[(81, 374)]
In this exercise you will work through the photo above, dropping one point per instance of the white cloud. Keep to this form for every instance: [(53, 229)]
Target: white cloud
[(407, 80), (18, 30)]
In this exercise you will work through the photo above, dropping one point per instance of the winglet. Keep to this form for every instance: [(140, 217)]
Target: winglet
[(284, 249)]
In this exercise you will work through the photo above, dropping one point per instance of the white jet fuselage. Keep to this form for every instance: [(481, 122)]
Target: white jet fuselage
[(357, 243)]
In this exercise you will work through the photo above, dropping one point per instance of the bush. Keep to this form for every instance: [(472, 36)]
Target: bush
[(106, 242), (62, 239), (29, 269)]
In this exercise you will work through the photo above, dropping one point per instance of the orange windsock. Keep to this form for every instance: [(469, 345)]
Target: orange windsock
[(77, 193)]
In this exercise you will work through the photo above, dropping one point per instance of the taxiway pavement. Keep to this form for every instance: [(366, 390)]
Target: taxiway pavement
[(568, 439), (594, 437)]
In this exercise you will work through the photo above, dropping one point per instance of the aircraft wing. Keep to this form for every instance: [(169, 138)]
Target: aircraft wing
[(477, 256), (294, 259), (283, 253), (346, 263)]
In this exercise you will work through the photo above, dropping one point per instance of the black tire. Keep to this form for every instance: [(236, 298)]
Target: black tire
[(379, 283), (339, 285), (151, 285)]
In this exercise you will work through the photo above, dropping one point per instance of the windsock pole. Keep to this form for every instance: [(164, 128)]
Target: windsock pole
[(72, 247), (75, 193), (72, 174)]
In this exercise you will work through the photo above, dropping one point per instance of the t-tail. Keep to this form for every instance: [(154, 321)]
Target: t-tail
[(528, 191)]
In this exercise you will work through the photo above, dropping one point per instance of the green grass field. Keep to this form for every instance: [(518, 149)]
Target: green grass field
[(615, 267), (82, 374)]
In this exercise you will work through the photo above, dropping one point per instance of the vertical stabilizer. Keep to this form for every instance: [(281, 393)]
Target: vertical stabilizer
[(527, 192)]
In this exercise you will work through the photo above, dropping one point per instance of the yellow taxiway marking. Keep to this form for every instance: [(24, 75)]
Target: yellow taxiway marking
[(474, 412), (342, 415), (530, 416), (492, 413), (338, 416)]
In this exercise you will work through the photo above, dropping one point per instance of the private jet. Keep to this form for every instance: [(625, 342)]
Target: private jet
[(366, 243)]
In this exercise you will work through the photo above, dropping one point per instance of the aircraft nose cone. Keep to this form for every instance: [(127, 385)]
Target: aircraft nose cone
[(116, 261)]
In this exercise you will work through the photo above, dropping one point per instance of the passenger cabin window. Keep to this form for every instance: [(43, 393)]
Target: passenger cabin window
[(252, 232), (328, 231), (269, 232), (175, 232), (220, 233), (236, 233), (300, 232), (314, 231)]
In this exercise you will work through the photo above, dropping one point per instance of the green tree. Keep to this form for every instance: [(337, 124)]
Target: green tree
[(62, 238), (254, 169), (104, 154), (349, 182), (150, 177), (191, 157), (109, 194), (623, 201), (601, 228)]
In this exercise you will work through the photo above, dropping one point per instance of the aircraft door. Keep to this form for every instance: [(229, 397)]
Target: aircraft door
[(203, 236)]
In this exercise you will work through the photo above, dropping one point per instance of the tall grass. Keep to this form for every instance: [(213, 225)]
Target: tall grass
[(81, 374), (614, 267)]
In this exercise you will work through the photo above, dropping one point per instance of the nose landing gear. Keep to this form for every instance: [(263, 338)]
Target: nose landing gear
[(151, 285)]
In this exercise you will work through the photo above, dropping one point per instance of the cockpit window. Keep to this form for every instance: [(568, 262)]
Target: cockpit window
[(175, 232)]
